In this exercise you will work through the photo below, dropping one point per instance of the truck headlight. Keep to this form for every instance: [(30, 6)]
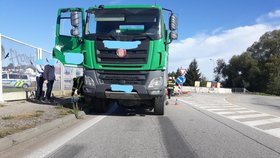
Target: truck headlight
[(156, 83), (89, 81)]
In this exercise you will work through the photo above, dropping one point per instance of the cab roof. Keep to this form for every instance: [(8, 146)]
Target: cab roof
[(125, 6)]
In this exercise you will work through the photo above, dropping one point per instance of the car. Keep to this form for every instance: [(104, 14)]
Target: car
[(16, 80)]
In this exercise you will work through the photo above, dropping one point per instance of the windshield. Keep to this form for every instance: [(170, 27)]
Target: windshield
[(123, 24)]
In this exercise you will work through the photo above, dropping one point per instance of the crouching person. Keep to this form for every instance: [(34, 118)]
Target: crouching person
[(78, 83)]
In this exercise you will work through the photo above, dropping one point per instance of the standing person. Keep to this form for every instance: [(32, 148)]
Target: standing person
[(49, 76), (170, 86), (39, 78)]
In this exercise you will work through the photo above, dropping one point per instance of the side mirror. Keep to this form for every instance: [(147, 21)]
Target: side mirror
[(75, 31), (75, 19), (172, 22), (75, 23), (173, 35)]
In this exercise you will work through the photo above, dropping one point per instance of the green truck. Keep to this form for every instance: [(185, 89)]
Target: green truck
[(123, 50)]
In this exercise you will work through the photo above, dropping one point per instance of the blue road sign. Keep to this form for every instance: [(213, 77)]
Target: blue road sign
[(181, 79)]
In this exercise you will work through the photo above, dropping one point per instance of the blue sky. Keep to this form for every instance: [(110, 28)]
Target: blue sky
[(208, 30)]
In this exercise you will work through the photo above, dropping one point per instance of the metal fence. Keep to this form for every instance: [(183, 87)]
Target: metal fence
[(18, 62)]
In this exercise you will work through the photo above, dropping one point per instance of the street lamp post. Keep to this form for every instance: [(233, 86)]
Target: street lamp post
[(213, 61)]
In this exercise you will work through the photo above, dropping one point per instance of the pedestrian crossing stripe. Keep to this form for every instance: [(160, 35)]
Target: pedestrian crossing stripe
[(241, 115)]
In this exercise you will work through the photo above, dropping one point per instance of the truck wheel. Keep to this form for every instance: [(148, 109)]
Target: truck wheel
[(100, 105), (97, 105), (88, 101), (159, 105)]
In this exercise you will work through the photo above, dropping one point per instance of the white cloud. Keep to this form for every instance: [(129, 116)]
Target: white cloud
[(275, 14), (224, 45), (271, 17)]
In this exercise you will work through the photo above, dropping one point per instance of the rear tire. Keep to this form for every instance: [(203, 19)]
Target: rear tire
[(159, 105)]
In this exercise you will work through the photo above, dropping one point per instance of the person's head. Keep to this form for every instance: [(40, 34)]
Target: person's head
[(173, 78), (170, 78)]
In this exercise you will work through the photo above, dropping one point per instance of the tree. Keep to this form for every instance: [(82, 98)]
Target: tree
[(257, 69), (171, 74), (10, 66), (218, 70), (272, 67), (175, 74), (203, 81), (192, 74), (241, 72)]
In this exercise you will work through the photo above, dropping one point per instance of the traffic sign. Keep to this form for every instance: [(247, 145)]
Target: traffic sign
[(183, 71), (180, 79)]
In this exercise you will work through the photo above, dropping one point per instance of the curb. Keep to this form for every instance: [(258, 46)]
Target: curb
[(28, 134)]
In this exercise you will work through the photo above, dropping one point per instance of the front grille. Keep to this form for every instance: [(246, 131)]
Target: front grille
[(138, 55), (122, 77)]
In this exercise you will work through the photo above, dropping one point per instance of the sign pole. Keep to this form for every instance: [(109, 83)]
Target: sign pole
[(180, 80)]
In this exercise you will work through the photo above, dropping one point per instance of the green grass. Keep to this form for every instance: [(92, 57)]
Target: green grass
[(11, 130), (37, 113), (59, 107), (7, 90), (9, 117), (1, 105)]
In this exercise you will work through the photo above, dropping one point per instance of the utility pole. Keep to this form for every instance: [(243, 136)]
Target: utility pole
[(214, 63)]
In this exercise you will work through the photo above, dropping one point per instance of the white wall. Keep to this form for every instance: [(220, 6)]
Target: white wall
[(204, 90)]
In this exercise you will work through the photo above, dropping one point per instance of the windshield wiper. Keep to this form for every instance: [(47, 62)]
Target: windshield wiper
[(142, 36)]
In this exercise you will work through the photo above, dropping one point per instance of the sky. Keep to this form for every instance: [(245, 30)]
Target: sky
[(208, 29)]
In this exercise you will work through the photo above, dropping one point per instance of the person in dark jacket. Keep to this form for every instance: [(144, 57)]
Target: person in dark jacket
[(78, 83), (170, 86), (39, 78), (49, 76)]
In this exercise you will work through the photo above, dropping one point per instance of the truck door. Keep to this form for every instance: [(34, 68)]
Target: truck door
[(69, 36)]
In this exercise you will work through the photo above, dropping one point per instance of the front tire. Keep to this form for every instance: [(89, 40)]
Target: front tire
[(100, 105), (96, 104), (159, 105)]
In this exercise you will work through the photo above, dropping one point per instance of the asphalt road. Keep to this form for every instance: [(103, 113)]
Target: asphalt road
[(199, 125)]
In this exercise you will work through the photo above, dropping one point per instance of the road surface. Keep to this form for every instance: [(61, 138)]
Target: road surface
[(199, 125)]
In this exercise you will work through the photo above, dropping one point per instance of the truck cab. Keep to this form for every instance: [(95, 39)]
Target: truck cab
[(123, 50)]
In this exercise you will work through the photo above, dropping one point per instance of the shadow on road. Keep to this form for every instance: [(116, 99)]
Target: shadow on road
[(113, 109)]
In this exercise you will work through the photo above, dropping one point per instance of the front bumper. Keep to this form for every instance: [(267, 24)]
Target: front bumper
[(139, 92)]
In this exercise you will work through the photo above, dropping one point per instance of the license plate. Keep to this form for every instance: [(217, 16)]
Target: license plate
[(122, 88)]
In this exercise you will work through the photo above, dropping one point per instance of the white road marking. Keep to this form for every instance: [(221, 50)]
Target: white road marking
[(229, 109), (247, 116), (222, 113), (51, 147), (275, 132), (220, 106), (210, 107), (262, 122), (236, 112)]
